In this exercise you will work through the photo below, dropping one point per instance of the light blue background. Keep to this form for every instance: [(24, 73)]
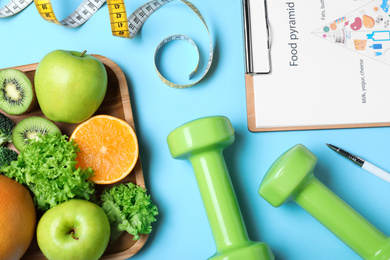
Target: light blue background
[(182, 230)]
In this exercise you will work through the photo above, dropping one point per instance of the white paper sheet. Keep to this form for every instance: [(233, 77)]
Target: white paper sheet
[(330, 63)]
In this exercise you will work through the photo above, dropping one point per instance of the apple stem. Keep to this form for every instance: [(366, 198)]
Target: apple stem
[(72, 232), (82, 54)]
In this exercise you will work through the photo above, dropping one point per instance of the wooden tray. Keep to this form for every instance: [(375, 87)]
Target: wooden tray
[(116, 103)]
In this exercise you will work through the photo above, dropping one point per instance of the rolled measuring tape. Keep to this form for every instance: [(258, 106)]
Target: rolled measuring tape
[(121, 25)]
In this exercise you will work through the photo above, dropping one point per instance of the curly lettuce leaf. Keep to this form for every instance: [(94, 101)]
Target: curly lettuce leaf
[(47, 168), (129, 209)]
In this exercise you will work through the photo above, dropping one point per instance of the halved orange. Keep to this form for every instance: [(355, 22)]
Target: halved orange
[(108, 145)]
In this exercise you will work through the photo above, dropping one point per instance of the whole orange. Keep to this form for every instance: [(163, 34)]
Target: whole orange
[(17, 219)]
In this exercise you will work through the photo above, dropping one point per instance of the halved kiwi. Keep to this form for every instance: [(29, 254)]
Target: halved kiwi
[(29, 128), (16, 92)]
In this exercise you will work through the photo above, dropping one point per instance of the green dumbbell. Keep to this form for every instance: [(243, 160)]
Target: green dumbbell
[(291, 177), (202, 142)]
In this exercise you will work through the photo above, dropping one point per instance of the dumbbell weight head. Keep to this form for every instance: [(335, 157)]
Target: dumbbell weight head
[(287, 174), (199, 135), (250, 251)]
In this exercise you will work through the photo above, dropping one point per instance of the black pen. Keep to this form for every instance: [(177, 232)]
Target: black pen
[(375, 170)]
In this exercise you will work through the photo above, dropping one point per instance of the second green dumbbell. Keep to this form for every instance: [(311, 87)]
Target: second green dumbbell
[(291, 178)]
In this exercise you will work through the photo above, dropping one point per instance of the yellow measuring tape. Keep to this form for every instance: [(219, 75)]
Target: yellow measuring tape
[(121, 25)]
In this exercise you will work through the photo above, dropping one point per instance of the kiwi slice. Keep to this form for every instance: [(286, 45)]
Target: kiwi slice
[(29, 128), (16, 92)]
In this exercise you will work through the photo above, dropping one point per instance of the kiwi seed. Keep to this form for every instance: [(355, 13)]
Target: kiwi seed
[(16, 92), (29, 129)]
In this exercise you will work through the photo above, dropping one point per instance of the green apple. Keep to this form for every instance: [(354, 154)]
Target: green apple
[(70, 86), (76, 229)]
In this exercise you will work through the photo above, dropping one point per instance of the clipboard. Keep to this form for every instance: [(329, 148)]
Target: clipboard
[(317, 64)]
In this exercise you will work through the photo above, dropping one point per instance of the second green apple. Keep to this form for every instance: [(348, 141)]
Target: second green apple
[(70, 85)]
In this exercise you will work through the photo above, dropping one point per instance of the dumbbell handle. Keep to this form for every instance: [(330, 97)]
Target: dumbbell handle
[(219, 199), (343, 221)]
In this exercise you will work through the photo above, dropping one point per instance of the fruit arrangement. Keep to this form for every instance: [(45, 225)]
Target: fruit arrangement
[(75, 157)]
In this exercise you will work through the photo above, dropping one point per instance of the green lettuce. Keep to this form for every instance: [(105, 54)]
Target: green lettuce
[(128, 208), (47, 168)]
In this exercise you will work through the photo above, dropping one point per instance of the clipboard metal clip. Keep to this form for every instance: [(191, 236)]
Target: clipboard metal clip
[(257, 37)]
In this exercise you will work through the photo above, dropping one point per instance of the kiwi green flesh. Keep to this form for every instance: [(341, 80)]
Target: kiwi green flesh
[(16, 91), (30, 128)]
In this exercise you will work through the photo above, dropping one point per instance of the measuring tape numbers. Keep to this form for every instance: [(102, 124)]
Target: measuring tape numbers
[(118, 18), (82, 13), (121, 25), (14, 7)]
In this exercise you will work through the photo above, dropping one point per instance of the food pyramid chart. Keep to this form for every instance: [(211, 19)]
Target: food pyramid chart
[(365, 31)]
